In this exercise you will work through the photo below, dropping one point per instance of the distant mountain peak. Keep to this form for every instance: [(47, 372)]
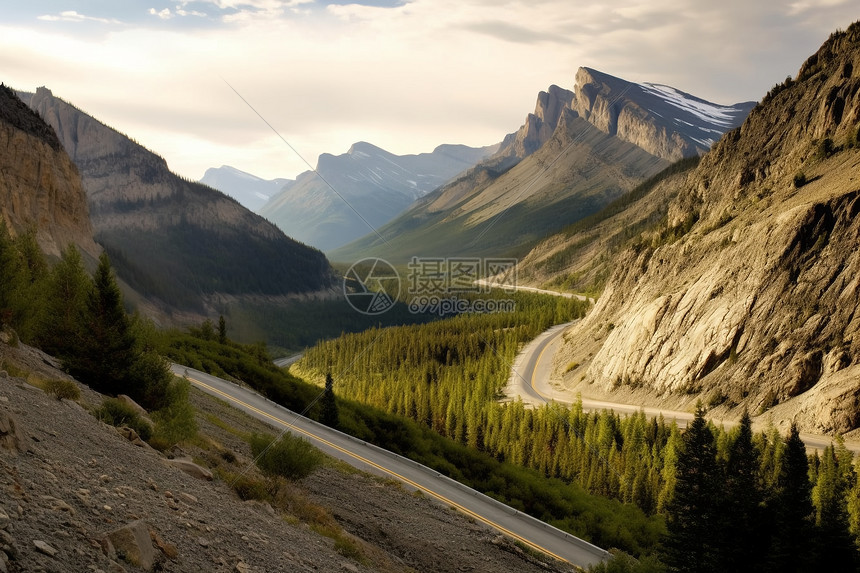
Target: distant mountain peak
[(249, 190), (365, 148), (661, 119)]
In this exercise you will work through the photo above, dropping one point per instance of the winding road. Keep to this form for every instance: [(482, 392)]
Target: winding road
[(515, 524), (531, 375)]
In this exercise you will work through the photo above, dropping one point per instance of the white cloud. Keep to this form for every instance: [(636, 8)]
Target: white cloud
[(406, 78), (73, 16), (163, 14)]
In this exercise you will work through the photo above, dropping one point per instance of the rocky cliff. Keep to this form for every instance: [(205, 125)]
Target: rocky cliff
[(662, 120), (747, 295), (538, 127), (174, 241), (40, 188)]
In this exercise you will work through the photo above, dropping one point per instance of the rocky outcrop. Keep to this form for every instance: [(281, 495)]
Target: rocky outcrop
[(12, 437), (538, 127), (662, 120), (132, 544), (747, 295), (188, 466), (40, 188)]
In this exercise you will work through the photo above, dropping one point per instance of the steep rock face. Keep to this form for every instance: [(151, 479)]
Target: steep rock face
[(660, 119), (39, 185), (538, 127), (747, 296), (172, 240)]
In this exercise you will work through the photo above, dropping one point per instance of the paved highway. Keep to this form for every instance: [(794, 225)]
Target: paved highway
[(362, 455), (286, 361), (530, 380), (487, 283)]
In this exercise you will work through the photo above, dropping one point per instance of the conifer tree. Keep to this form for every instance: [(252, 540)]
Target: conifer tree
[(61, 327), (693, 513), (742, 531), (791, 546), (106, 350), (836, 550), (222, 330), (330, 414), (11, 277)]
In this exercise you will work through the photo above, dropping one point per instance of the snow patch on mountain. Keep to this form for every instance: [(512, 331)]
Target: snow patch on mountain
[(721, 115)]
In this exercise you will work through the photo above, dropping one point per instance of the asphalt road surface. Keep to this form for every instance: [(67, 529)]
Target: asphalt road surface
[(513, 523)]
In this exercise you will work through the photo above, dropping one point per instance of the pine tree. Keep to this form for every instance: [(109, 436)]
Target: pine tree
[(330, 414), (741, 527), (836, 550), (222, 330), (693, 513), (791, 546), (61, 327), (106, 350)]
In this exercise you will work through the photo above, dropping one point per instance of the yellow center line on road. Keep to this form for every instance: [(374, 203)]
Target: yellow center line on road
[(438, 496)]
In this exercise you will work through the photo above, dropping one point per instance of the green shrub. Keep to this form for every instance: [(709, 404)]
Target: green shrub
[(117, 413), (289, 456), (248, 488), (60, 389), (826, 148), (800, 180), (175, 422)]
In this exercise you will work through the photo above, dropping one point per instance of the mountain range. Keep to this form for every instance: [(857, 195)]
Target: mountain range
[(733, 281), (578, 151), (352, 194)]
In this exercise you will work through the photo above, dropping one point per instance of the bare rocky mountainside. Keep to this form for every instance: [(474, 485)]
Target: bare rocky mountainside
[(79, 495), (40, 188), (177, 243), (364, 188), (745, 292), (577, 152)]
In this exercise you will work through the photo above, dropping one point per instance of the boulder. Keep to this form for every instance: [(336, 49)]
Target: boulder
[(192, 469), (130, 435), (132, 543), (139, 410), (12, 437)]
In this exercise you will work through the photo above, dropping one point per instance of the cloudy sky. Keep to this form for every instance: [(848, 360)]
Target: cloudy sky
[(404, 75)]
